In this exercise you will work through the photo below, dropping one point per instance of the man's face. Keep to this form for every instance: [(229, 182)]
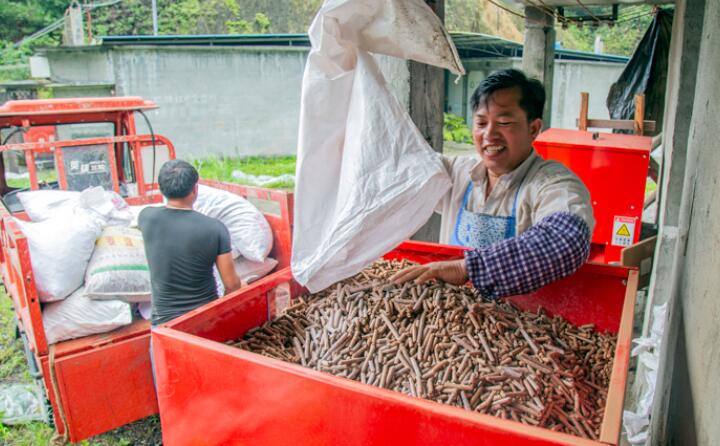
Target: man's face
[(501, 132)]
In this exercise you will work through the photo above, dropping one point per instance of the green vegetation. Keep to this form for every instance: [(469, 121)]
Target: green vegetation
[(13, 369), (456, 130), (215, 168), (620, 39), (21, 18), (46, 175)]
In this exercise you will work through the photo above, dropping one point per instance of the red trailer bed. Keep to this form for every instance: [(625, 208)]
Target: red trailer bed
[(211, 393), (104, 381)]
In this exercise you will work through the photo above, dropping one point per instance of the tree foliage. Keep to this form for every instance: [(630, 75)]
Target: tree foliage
[(20, 18), (134, 17), (621, 39)]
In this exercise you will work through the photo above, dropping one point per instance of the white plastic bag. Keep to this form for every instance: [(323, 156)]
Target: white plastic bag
[(366, 178), (21, 403), (118, 268), (60, 248), (78, 316), (248, 271), (43, 204), (108, 204), (250, 233)]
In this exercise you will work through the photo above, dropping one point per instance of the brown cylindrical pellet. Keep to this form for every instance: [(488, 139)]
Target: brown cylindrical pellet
[(436, 341)]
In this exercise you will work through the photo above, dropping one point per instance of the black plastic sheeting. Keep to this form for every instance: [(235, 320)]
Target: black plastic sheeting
[(645, 73)]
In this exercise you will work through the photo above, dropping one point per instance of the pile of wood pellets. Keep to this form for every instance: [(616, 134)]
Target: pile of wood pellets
[(443, 343)]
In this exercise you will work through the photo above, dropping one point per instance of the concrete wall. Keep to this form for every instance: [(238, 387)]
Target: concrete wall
[(213, 100), (698, 293), (239, 101), (570, 78), (216, 101)]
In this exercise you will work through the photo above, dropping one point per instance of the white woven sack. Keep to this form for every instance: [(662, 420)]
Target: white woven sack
[(366, 177), (78, 316), (118, 267), (250, 233), (247, 270), (42, 204), (60, 248), (250, 271)]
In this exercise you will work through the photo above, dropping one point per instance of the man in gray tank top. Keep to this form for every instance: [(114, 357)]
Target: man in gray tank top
[(182, 246)]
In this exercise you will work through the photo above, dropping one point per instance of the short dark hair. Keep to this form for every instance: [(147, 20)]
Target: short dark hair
[(177, 178), (532, 92)]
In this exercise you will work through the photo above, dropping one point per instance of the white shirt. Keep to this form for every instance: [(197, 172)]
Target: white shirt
[(546, 187)]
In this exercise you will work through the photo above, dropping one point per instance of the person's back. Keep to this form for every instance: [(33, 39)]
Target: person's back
[(182, 246)]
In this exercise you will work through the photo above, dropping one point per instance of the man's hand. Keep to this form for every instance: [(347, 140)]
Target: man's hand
[(451, 271)]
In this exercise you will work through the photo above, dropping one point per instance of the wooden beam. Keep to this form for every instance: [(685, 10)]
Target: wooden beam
[(619, 124), (584, 104), (639, 126)]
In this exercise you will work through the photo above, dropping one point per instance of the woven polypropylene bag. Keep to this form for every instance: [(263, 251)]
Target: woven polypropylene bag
[(118, 268), (250, 233), (78, 316)]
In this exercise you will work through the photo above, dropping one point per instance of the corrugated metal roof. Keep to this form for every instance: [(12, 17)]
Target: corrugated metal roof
[(469, 45)]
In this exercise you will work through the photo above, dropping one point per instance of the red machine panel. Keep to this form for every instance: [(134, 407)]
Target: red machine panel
[(614, 168), (210, 393)]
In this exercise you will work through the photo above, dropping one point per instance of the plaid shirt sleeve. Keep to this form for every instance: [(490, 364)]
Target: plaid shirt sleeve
[(549, 250)]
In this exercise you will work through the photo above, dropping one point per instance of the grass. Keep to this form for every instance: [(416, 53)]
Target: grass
[(13, 369), (221, 169), (47, 175)]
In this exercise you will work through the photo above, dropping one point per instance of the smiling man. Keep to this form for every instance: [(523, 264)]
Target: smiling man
[(528, 220)]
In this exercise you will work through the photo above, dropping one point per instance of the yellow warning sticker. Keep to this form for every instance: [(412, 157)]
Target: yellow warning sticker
[(623, 230)]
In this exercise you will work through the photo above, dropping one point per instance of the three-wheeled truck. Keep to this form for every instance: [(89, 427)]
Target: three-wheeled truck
[(95, 383)]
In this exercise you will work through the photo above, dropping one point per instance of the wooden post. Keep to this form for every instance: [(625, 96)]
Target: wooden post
[(427, 99), (639, 114), (584, 104)]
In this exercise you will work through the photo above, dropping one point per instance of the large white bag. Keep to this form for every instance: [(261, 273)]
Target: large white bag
[(60, 248), (366, 178), (250, 233), (118, 268), (247, 270), (43, 204), (79, 316)]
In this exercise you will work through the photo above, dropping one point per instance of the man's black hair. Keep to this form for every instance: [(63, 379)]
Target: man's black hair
[(177, 179), (532, 92)]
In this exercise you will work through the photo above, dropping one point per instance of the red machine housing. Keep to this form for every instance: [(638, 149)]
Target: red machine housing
[(211, 393), (100, 382), (614, 168)]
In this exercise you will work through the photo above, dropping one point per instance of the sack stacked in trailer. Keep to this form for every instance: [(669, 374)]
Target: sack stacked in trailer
[(118, 268), (79, 316), (61, 240), (250, 233)]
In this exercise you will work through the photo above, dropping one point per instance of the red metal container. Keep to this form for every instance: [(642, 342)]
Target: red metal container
[(614, 168), (211, 393)]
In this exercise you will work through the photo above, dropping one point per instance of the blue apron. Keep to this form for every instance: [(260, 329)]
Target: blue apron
[(477, 230)]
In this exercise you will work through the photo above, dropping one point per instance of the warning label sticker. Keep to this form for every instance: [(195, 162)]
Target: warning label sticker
[(623, 230)]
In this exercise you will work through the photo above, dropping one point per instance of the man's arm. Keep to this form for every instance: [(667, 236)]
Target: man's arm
[(231, 281), (553, 248)]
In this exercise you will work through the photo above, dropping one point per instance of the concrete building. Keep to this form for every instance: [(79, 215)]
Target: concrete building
[(240, 95)]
